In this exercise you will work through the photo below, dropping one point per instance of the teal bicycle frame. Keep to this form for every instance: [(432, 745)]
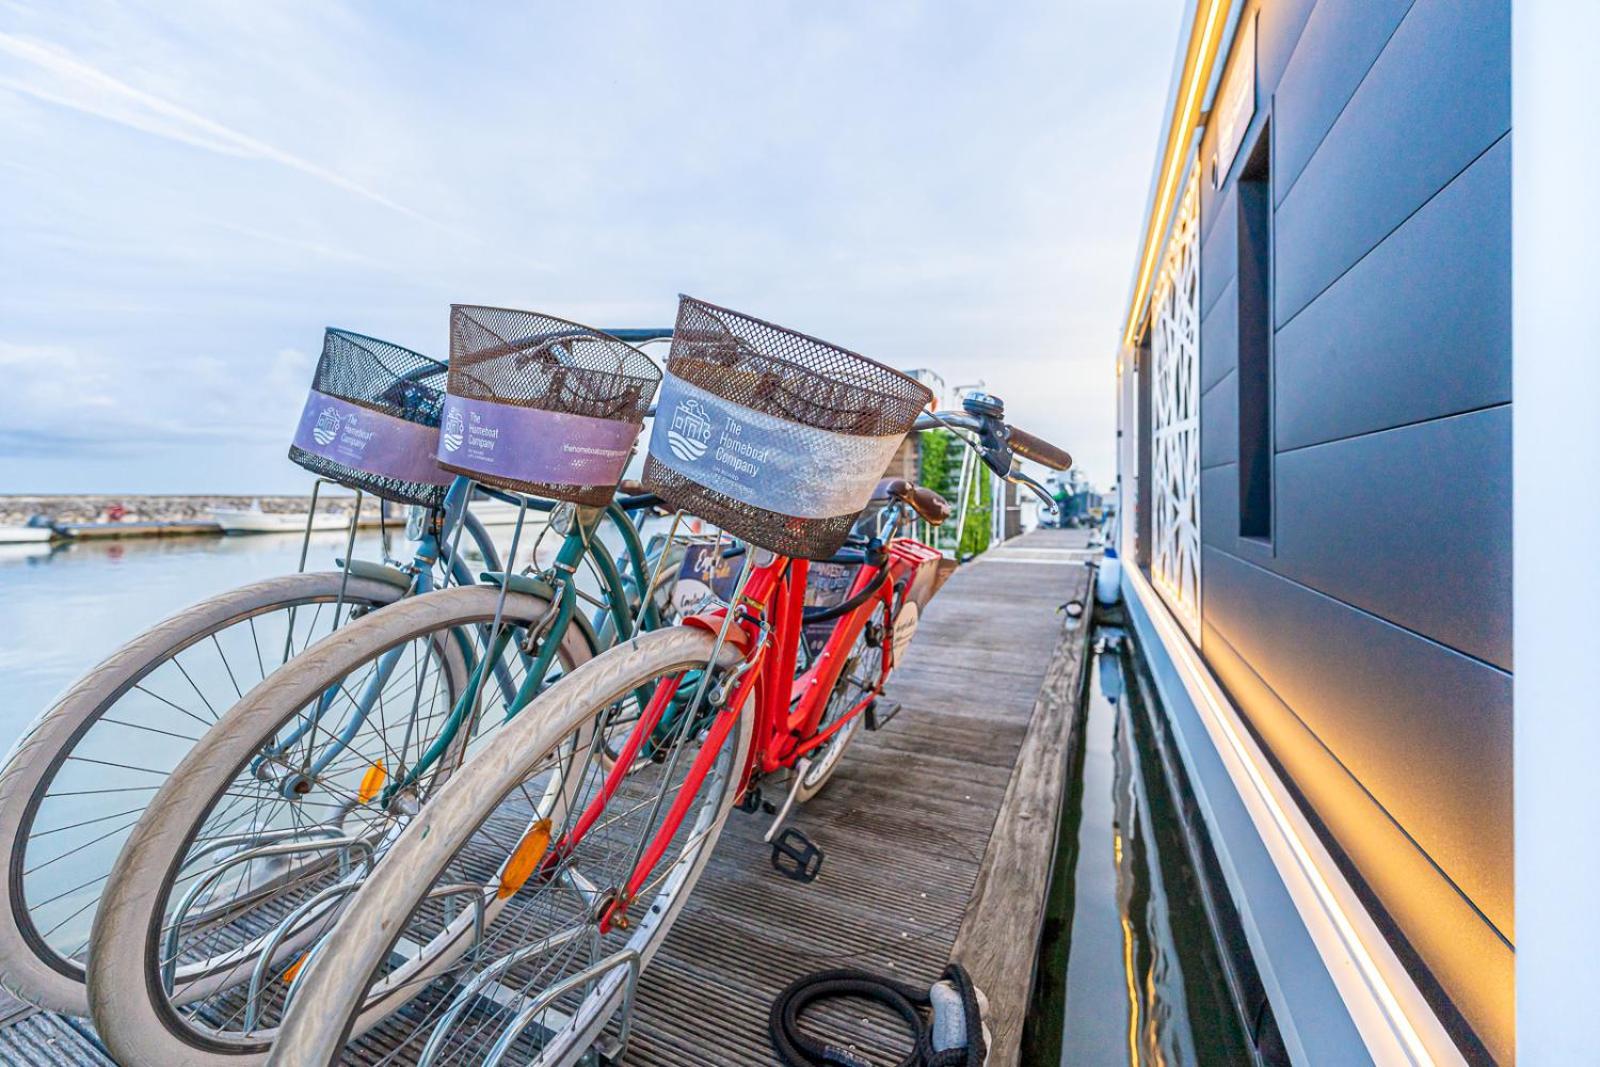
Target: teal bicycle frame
[(562, 592)]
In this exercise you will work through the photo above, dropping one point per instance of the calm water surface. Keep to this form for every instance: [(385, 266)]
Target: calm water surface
[(1128, 972), (64, 609)]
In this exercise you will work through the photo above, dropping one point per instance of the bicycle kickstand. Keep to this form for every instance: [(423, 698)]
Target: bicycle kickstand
[(796, 776)]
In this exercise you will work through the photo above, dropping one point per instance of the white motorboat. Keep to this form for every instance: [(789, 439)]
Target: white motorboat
[(253, 520), (25, 535)]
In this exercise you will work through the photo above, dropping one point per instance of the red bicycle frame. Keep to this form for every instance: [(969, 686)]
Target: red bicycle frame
[(767, 628)]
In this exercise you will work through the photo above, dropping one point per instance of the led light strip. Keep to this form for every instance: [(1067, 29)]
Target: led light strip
[(1395, 1020), (1202, 52)]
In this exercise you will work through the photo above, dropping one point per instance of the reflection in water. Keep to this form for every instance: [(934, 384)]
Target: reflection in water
[(1127, 971)]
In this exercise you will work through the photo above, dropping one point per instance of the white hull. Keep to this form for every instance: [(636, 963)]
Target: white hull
[(23, 535), (249, 521)]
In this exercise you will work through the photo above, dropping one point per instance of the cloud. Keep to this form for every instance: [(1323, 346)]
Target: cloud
[(70, 401), (62, 79)]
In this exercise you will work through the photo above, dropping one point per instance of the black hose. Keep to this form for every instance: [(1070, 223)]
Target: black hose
[(796, 1049)]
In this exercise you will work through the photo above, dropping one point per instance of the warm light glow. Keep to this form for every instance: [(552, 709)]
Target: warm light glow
[(293, 970), (1133, 990), (1202, 55), (1308, 863)]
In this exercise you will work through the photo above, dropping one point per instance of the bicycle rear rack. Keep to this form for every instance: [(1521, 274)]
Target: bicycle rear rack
[(342, 845), (609, 1049), (283, 929)]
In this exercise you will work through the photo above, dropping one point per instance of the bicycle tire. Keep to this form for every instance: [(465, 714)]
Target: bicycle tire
[(137, 1020), (30, 966), (326, 1012)]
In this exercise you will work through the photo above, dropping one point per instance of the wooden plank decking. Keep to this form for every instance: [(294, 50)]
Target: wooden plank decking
[(938, 832)]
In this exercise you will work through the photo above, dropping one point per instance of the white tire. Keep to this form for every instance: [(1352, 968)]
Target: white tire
[(138, 1020), (327, 1009), (35, 965)]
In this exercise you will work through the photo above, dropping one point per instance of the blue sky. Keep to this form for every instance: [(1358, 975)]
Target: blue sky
[(189, 193)]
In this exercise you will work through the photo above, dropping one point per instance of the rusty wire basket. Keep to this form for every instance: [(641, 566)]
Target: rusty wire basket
[(541, 405), (777, 437), (372, 419)]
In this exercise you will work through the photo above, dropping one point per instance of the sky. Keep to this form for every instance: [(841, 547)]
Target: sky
[(191, 192)]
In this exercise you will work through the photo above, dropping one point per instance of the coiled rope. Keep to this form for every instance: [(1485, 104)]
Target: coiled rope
[(796, 1049)]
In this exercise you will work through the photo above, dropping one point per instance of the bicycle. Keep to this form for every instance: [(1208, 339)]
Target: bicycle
[(241, 857), (81, 772), (579, 865)]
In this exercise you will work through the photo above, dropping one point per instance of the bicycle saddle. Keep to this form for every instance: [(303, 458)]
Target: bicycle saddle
[(924, 501)]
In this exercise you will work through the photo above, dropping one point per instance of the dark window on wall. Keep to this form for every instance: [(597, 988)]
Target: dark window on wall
[(1255, 340)]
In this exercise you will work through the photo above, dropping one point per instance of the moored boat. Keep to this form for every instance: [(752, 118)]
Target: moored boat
[(253, 520), (25, 534)]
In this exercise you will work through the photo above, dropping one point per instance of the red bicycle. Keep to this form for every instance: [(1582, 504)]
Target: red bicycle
[(577, 837)]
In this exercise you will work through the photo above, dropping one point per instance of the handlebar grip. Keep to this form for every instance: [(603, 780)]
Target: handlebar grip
[(929, 504), (1038, 449)]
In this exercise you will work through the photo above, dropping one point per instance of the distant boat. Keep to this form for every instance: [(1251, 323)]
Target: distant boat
[(19, 535), (253, 520)]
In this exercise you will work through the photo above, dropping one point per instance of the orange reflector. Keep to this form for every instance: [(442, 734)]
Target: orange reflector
[(525, 859), (294, 968), (371, 782)]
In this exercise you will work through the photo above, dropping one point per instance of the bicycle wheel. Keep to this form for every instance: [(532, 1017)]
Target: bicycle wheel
[(246, 854), (859, 679), (529, 828), (78, 779)]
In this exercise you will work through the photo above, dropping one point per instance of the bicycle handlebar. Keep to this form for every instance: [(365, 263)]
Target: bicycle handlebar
[(1037, 449), (999, 442)]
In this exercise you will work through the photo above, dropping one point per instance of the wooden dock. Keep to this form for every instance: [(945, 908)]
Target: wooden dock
[(938, 832)]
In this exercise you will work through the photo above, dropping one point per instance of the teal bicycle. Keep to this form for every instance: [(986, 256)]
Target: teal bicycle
[(78, 780), (244, 855)]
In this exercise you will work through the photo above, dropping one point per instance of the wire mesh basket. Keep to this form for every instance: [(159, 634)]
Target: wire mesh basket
[(775, 436), (372, 419), (541, 405)]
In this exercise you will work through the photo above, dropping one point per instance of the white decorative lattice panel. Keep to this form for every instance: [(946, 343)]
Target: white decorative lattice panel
[(1175, 416)]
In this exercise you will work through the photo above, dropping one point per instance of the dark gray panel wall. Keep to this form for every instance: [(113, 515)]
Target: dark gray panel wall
[(1370, 639), (1438, 96), (1219, 424), (1413, 525), (1219, 253), (1469, 956), (1433, 755), (1418, 329), (1278, 28), (1220, 331), (1341, 40)]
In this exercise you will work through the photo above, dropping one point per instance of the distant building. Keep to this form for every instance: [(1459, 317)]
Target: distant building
[(1316, 506)]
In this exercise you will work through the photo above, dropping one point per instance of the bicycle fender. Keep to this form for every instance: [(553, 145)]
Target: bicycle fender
[(711, 622), (527, 583)]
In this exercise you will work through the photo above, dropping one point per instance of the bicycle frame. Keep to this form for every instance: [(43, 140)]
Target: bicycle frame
[(437, 542), (767, 628), (579, 542)]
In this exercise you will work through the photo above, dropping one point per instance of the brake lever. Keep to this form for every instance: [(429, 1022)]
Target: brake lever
[(1038, 490)]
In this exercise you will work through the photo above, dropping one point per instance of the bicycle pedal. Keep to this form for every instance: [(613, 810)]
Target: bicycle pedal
[(876, 721), (751, 802), (796, 856)]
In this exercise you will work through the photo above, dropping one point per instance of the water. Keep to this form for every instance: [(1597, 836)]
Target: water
[(65, 608), (1128, 971)]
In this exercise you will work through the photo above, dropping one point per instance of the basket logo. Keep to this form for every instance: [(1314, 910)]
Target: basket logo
[(327, 427), (454, 430), (690, 433)]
